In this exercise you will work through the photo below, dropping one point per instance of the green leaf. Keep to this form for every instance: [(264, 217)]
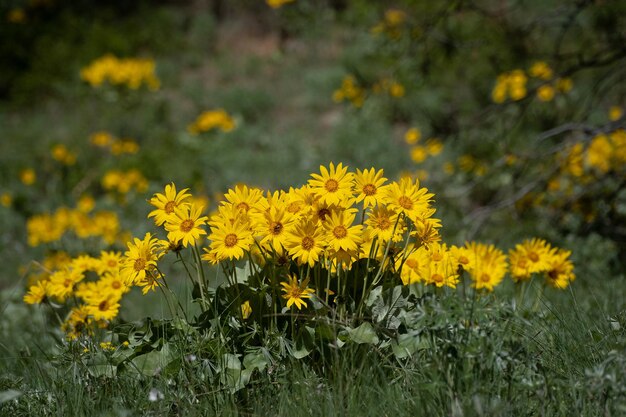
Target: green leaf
[(255, 360), (405, 346), (154, 362), (9, 395), (365, 333)]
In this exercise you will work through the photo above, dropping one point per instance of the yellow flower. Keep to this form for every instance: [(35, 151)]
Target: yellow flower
[(61, 284), (599, 154), (166, 203), (101, 139), (306, 242), (139, 260), (246, 310), (541, 69), (560, 270), (28, 176), (434, 146), (369, 185), (186, 224), (77, 322), (333, 186), (615, 113), (109, 262), (6, 199), (275, 4), (36, 293), (412, 136), (545, 93), (230, 240), (271, 226), (409, 268), (419, 154), (244, 198), (382, 223), (564, 84), (529, 257), (407, 197), (104, 306), (210, 120), (489, 265), (340, 234), (295, 292)]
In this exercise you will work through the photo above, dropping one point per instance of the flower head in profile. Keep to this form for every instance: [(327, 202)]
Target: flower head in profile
[(560, 270), (167, 203), (139, 260), (332, 186), (296, 292), (186, 225)]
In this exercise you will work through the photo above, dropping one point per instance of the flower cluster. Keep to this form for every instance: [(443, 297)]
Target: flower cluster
[(51, 227), (124, 181), (301, 243), (419, 153), (351, 91), (513, 84), (392, 24), (390, 87), (116, 146), (62, 154), (211, 120), (276, 4), (128, 72)]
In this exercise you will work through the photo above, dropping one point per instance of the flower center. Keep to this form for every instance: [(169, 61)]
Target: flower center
[(243, 206), (463, 260), (231, 240), (116, 285), (187, 225), (340, 232), (437, 257), (322, 213), (533, 256), (332, 185), (411, 263), (170, 206), (369, 189), (140, 264), (437, 278), (276, 228), (67, 283), (103, 306), (308, 243), (485, 277), (521, 263), (384, 223), (112, 263), (294, 207), (405, 202)]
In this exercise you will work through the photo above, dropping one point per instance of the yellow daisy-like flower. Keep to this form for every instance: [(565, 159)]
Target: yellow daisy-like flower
[(529, 257), (369, 185), (109, 262), (36, 293), (295, 292), (167, 203), (244, 198), (409, 268), (77, 322), (333, 186), (383, 223), (306, 242), (437, 267), (272, 227), (140, 260), (230, 241), (489, 268), (62, 283), (104, 306), (186, 225), (340, 234), (407, 197), (560, 270), (246, 310)]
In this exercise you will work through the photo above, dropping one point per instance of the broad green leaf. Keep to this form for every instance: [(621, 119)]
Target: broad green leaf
[(365, 333)]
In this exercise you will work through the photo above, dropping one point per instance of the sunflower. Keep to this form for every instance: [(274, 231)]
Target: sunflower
[(185, 225), (306, 242), (340, 234), (407, 197), (166, 203), (295, 292), (333, 186), (230, 241), (369, 185), (104, 306), (139, 260)]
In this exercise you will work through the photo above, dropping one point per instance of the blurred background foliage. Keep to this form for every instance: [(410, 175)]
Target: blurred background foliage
[(318, 81)]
